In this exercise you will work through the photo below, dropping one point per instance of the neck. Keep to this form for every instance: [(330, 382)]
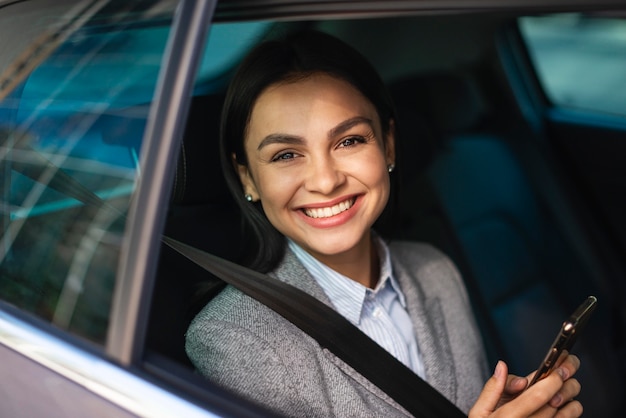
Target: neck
[(361, 264)]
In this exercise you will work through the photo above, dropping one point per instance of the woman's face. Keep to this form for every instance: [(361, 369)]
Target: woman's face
[(317, 161)]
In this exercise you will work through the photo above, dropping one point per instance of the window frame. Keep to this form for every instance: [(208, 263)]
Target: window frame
[(146, 218), (164, 130), (109, 372)]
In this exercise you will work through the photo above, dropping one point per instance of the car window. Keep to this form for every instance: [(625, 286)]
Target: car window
[(74, 101), (580, 60), (226, 44), (202, 224)]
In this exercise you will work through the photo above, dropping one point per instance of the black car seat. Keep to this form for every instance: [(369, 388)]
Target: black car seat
[(489, 198), (202, 214)]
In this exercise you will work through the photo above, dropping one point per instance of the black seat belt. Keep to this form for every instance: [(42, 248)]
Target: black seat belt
[(332, 331)]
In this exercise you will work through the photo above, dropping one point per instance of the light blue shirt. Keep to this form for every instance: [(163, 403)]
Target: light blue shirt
[(380, 313)]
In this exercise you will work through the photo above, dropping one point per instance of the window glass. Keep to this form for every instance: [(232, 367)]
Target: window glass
[(73, 107), (227, 43), (580, 60)]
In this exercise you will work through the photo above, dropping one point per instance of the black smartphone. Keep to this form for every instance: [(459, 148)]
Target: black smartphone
[(565, 339)]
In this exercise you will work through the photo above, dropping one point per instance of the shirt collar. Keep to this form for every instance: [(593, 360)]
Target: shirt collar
[(346, 295), (386, 269)]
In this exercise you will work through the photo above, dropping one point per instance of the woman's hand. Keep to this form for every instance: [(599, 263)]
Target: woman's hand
[(504, 395)]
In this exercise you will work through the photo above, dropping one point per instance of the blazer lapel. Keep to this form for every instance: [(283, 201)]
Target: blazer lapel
[(431, 331), (292, 272)]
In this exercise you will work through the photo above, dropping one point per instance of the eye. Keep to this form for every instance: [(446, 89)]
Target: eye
[(284, 156), (351, 141)]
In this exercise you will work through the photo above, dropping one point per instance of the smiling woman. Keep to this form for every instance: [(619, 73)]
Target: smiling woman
[(310, 165)]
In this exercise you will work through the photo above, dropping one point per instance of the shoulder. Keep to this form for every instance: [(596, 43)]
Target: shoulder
[(246, 348), (432, 270), (235, 329), (232, 317), (416, 251), (422, 258), (233, 314)]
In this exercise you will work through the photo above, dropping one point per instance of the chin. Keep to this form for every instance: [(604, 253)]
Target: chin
[(338, 244)]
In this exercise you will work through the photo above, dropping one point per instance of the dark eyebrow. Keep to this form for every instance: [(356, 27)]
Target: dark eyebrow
[(280, 139), (348, 124)]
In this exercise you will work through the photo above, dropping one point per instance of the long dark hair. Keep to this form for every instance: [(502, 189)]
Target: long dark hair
[(295, 56)]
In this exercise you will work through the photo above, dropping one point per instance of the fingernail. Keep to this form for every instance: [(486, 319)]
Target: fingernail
[(562, 372), (555, 402), (498, 370)]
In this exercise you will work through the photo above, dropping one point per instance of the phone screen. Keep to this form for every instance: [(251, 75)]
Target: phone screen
[(565, 339)]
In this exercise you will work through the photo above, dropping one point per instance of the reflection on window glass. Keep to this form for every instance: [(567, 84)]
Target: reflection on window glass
[(70, 138), (226, 45), (580, 60)]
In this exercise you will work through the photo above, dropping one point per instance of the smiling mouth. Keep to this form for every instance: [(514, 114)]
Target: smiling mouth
[(329, 211)]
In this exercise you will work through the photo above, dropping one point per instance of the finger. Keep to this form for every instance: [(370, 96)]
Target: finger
[(535, 400), (566, 368), (572, 409), (515, 385), (491, 393), (570, 389), (545, 412), (570, 366)]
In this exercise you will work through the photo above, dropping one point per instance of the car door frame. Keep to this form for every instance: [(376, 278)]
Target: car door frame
[(109, 380)]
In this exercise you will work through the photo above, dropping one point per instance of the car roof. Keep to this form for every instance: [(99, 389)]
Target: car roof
[(259, 9)]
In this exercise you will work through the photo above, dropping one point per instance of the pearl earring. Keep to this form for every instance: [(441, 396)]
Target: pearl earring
[(248, 197), (391, 167)]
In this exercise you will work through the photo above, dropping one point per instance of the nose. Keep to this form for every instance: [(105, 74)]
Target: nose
[(323, 175)]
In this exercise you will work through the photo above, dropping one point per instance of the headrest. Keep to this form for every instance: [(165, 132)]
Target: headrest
[(451, 101), (199, 178)]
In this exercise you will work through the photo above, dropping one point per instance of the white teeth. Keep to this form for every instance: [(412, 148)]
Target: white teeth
[(329, 211)]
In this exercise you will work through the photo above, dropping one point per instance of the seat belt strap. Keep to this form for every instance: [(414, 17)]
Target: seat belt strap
[(332, 331)]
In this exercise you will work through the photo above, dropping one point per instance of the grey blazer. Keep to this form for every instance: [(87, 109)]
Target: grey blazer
[(243, 346)]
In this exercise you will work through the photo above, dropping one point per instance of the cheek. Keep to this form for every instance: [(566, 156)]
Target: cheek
[(371, 169), (276, 189), (377, 178), (385, 187)]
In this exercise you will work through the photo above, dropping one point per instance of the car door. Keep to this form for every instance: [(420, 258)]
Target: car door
[(76, 96)]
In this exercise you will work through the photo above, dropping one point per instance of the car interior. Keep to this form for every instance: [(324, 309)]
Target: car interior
[(485, 177)]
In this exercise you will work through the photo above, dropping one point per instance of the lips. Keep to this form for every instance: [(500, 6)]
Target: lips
[(329, 211)]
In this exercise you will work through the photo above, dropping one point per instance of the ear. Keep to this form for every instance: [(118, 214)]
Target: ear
[(249, 186), (390, 143)]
